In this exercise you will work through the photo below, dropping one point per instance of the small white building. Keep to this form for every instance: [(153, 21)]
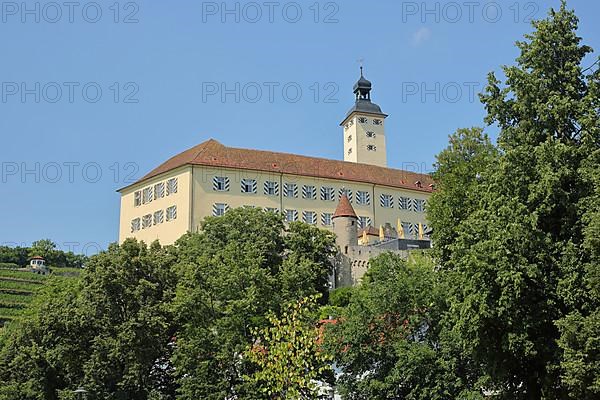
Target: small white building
[(38, 264)]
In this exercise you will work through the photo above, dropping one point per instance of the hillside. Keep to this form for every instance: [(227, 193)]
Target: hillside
[(18, 287)]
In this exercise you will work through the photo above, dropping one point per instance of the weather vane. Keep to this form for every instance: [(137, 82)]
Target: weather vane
[(360, 63)]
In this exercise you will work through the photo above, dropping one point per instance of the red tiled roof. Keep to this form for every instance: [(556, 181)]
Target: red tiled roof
[(214, 154), (344, 208), (371, 231)]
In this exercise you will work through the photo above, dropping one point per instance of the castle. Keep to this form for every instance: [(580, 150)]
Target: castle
[(210, 178)]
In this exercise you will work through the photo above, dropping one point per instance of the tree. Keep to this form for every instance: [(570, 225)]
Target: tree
[(458, 170), (287, 354), (519, 257), (236, 271), (580, 329), (14, 255), (152, 322), (111, 332), (391, 342), (43, 248)]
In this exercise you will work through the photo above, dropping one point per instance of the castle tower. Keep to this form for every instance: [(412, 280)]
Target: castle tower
[(345, 225), (363, 128)]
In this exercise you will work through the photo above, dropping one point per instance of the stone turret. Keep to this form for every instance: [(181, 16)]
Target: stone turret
[(345, 225)]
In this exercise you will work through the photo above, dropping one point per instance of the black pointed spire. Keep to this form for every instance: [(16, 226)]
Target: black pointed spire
[(362, 87), (362, 91)]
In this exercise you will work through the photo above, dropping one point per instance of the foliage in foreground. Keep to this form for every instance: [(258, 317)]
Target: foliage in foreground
[(508, 309), (165, 322), (287, 354), (238, 270), (391, 342)]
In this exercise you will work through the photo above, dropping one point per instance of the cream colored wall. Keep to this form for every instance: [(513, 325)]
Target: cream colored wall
[(169, 231), (204, 196), (318, 205), (359, 141), (391, 215)]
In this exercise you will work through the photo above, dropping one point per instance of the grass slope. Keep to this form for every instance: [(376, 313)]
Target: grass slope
[(18, 288)]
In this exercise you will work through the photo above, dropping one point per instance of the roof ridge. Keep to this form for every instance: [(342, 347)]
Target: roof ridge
[(213, 153)]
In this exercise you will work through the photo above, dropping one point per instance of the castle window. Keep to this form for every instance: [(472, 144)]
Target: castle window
[(348, 193), (171, 213), (327, 193), (364, 222), (137, 198), (271, 188), (350, 151), (404, 203), (171, 186), (147, 195), (310, 217), (377, 121), (326, 219), (419, 205), (349, 138), (219, 209), (159, 217), (414, 230), (135, 225), (159, 190), (371, 147), (370, 134), (248, 185), (291, 215), (363, 198), (309, 192), (386, 201), (407, 228), (221, 183), (146, 221), (290, 190), (362, 120)]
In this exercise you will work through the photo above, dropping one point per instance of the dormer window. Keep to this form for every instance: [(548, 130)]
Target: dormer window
[(349, 138), (362, 120), (350, 150), (371, 147), (370, 134), (377, 121)]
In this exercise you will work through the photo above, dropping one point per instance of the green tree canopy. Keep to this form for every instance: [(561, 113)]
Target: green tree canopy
[(288, 354), (520, 255), (390, 342), (110, 331), (238, 269)]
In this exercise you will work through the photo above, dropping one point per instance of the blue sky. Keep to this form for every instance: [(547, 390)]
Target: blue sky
[(96, 94)]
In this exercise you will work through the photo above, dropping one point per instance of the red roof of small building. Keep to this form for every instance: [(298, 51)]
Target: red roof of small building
[(371, 231), (37, 258), (212, 153), (344, 208)]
